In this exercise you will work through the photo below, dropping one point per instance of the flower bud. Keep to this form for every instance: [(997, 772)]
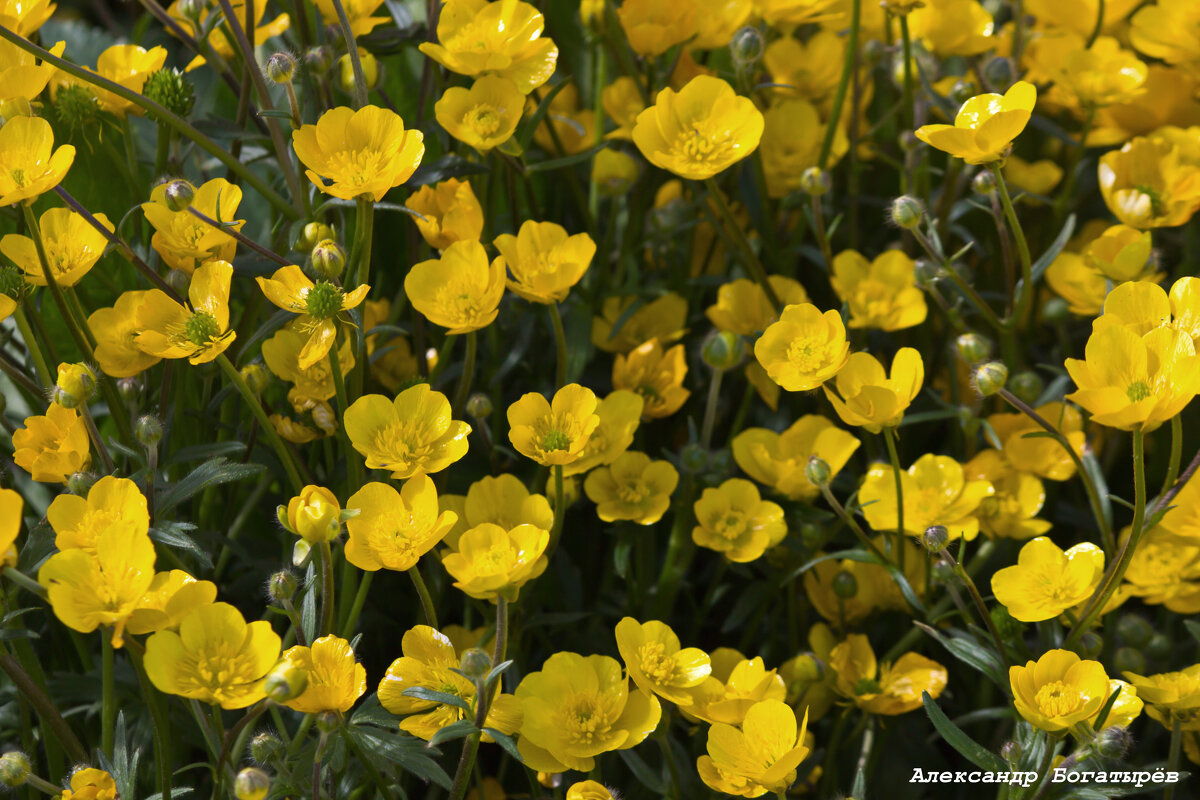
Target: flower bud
[(77, 380), (746, 47), (266, 747), (961, 92), (973, 348), (1159, 647), (475, 663), (1113, 742), (130, 389), (1027, 385), (990, 378), (148, 430), (614, 172), (935, 538), (549, 780), (257, 376), (329, 721), (817, 471), (720, 461), (192, 9), (1000, 73), (815, 181), (907, 212), (80, 482), (812, 536), (314, 515), (909, 141), (479, 406), (310, 234), (1010, 751), (14, 769), (941, 573), (1090, 645), (1056, 310), (179, 194), (286, 681), (172, 90), (845, 585), (1129, 659), (281, 67), (1134, 630), (926, 272), (251, 784), (319, 59), (281, 587), (345, 71), (16, 107), (723, 350), (179, 281), (984, 182), (328, 259), (693, 458)]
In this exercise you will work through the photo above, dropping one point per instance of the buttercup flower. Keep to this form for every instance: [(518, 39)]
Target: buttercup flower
[(876, 590), (1165, 571), (577, 707), (886, 689), (29, 164), (171, 597), (71, 244), (1033, 177), (656, 662), (77, 521), (11, 506), (350, 153), (484, 116), (1046, 581), (804, 348), (490, 562), (318, 305), (21, 76), (936, 492), (216, 33), (632, 488), (779, 460), (413, 434), (216, 657), (505, 39), (699, 131), (1150, 183), (1044, 457), (952, 27), (184, 241), (614, 172), (553, 433), (1164, 29), (335, 679), (394, 529), (588, 790), (662, 318), (566, 128), (742, 306), (90, 783), (735, 521), (502, 500), (882, 293), (1171, 696), (619, 413), (314, 515), (872, 400), (282, 353), (1121, 253), (760, 757), (790, 13), (125, 64), (357, 11), (809, 69), (544, 261), (449, 211), (1082, 286), (791, 143), (459, 291), (1059, 690), (1012, 511), (1142, 306), (116, 330), (198, 331), (652, 28), (654, 374), (985, 125), (735, 684), (23, 18), (53, 447)]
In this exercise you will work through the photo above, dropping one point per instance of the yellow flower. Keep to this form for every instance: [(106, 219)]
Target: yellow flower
[(216, 32), (577, 707), (1100, 75), (544, 261), (656, 375), (125, 64), (1034, 177), (1165, 571), (809, 69), (502, 500), (490, 562), (1150, 182), (589, 790), (504, 39), (780, 460), (953, 28), (875, 589), (315, 515), (622, 101), (663, 318), (742, 307), (734, 685), (459, 291), (216, 657), (1081, 285), (23, 17), (869, 398), (282, 354), (393, 362), (566, 128), (804, 348), (736, 522), (198, 331), (1120, 253), (699, 131), (936, 492), (632, 488), (21, 76), (171, 597), (1059, 690), (1012, 511), (350, 153), (653, 28), (880, 294), (53, 447), (1165, 29), (1135, 382), (449, 211), (430, 661), (1182, 522), (413, 434), (78, 521), (790, 13), (656, 663), (791, 143), (553, 433), (1142, 306), (1166, 100), (614, 172), (29, 164), (88, 783), (889, 689), (11, 506), (1037, 454), (318, 305), (1172, 696), (619, 413), (116, 331), (72, 247), (1125, 709), (335, 679), (760, 757), (394, 529), (985, 126), (1046, 581), (87, 590), (183, 241), (484, 116), (1079, 16), (357, 11)]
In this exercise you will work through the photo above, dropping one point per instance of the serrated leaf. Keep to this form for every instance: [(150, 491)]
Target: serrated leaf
[(423, 693), (954, 736)]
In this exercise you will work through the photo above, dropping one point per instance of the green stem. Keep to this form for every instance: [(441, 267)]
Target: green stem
[(819, 230), (285, 457), (360, 599), (56, 291), (385, 788), (328, 598), (52, 720), (1091, 40), (710, 408), (468, 373), (1176, 454), (24, 581), (360, 80), (35, 350), (161, 722), (1176, 738), (1064, 198), (106, 461), (354, 464), (738, 236), (977, 601), (501, 649), (889, 436), (560, 346), (852, 523), (1025, 297), (108, 694), (560, 509), (907, 101), (839, 97), (680, 550), (427, 605)]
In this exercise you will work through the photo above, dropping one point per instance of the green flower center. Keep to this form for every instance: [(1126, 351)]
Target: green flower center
[(1138, 391), (201, 328), (555, 440), (867, 686), (484, 120), (323, 301)]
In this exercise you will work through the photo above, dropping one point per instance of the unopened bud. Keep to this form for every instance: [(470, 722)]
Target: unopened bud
[(811, 535), (935, 538), (926, 272), (845, 585), (549, 780), (14, 769), (973, 348), (79, 483), (256, 376), (746, 46), (130, 389), (328, 259), (281, 67), (817, 471), (1159, 647), (251, 784), (693, 458), (329, 721), (723, 350), (1056, 310), (148, 430), (192, 9), (345, 71), (179, 194), (179, 281), (286, 681), (281, 587), (77, 380), (266, 747), (1113, 742), (312, 233), (319, 59), (1010, 751), (815, 181), (1090, 645), (1134, 630), (941, 573), (990, 378), (1000, 72), (1027, 385), (909, 141), (475, 663), (984, 182), (1129, 659), (479, 406), (907, 212)]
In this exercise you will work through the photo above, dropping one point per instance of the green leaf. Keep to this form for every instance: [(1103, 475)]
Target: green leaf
[(505, 741), (213, 472), (372, 713), (176, 791), (970, 652), (641, 770), (406, 752), (308, 606), (455, 730), (539, 113), (424, 693), (443, 168), (1193, 628), (176, 535), (1056, 247), (967, 747), (565, 161)]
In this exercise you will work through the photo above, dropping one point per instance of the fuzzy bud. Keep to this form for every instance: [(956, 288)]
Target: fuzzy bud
[(723, 350), (75, 385), (14, 769), (845, 585), (1134, 630), (907, 211), (479, 406), (984, 182), (281, 587), (329, 721), (1056, 310), (130, 389), (148, 430), (1113, 742), (1129, 659), (266, 747), (990, 378), (746, 47), (815, 181), (171, 90), (280, 68), (328, 259), (1027, 385), (78, 483), (475, 663), (817, 471), (179, 195), (1159, 647), (74, 105), (310, 234), (1090, 645), (935, 538), (319, 59), (1000, 73), (251, 784), (286, 681), (1010, 751), (179, 281), (973, 348)]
